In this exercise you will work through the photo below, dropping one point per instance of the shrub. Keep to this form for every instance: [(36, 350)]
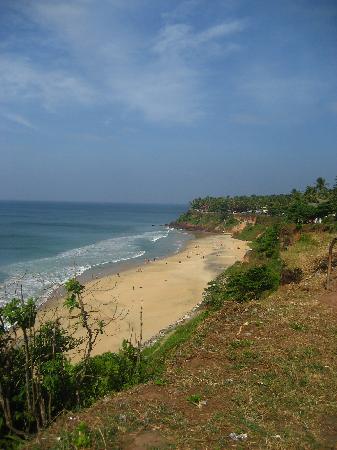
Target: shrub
[(81, 436), (111, 372), (251, 283), (37, 378), (214, 294), (242, 282), (267, 245)]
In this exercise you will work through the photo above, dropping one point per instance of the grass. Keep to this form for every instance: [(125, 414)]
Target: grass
[(265, 368), (157, 354), (83, 437), (298, 326), (305, 251), (241, 343), (195, 399), (250, 232), (307, 241)]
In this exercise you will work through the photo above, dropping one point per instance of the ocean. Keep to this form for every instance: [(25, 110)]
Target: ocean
[(42, 244)]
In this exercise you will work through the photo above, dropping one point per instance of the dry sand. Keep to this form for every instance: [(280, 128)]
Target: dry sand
[(166, 289)]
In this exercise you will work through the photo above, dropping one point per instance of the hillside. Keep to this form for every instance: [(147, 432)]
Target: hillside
[(317, 204), (254, 367), (256, 374)]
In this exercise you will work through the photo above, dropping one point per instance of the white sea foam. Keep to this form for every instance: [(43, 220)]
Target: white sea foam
[(42, 276)]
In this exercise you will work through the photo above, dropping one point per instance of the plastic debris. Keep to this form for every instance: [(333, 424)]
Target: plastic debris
[(238, 437)]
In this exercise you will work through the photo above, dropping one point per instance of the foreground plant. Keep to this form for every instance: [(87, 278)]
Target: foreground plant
[(37, 378), (33, 366)]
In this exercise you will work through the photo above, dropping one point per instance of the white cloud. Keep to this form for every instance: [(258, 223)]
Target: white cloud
[(181, 37), (19, 120), (22, 80), (220, 30), (156, 73)]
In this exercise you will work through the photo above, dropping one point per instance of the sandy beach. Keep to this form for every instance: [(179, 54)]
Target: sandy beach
[(166, 289)]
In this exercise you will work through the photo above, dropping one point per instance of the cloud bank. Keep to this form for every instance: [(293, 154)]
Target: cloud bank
[(111, 60)]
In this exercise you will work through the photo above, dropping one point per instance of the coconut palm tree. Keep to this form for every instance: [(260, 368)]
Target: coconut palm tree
[(321, 184)]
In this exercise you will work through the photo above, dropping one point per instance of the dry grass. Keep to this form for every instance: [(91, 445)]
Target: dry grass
[(267, 369)]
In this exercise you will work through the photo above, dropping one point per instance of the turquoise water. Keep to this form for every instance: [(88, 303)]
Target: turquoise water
[(42, 244)]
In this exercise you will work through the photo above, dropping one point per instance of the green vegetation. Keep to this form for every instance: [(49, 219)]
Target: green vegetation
[(250, 232), (156, 355), (251, 375), (83, 437), (38, 380), (203, 221), (250, 280), (317, 203), (195, 399), (251, 283)]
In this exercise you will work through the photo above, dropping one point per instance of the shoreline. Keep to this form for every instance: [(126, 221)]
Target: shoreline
[(106, 270), (167, 290), (100, 271), (44, 280)]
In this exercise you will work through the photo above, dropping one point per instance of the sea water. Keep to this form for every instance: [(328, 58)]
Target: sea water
[(42, 244)]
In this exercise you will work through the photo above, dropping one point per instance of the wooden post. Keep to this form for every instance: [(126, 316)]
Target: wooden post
[(332, 243)]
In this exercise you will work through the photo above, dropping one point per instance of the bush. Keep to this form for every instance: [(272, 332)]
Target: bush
[(242, 282), (267, 245), (37, 378), (214, 294), (110, 372), (251, 283)]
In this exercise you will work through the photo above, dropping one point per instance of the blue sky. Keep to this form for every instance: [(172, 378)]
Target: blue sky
[(163, 101)]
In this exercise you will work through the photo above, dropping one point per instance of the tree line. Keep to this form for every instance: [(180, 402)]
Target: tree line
[(315, 202)]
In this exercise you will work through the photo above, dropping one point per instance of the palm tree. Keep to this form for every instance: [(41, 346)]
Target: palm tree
[(321, 184), (311, 193)]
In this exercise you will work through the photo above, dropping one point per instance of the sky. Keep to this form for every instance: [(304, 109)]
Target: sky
[(162, 101)]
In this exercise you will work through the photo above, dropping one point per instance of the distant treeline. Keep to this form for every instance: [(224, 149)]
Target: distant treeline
[(317, 202)]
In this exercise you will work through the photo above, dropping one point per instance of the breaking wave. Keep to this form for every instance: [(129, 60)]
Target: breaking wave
[(42, 276)]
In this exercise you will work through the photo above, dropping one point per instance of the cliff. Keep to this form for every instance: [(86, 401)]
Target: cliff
[(230, 378)]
